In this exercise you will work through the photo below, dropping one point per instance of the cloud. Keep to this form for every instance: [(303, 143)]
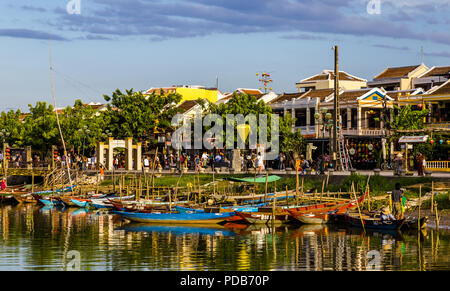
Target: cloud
[(28, 33), (392, 47), (443, 54), (304, 37), (33, 8), (301, 19)]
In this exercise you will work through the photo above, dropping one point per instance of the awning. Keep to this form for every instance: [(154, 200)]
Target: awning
[(413, 139), (259, 179)]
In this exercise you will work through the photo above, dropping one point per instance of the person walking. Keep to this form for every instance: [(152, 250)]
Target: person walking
[(398, 164), (396, 197)]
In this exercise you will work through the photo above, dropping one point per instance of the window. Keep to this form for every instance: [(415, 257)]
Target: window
[(300, 117)]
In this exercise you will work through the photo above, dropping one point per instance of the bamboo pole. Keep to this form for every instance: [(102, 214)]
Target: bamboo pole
[(267, 179), (296, 184), (359, 210), (420, 202), (437, 216), (287, 195), (432, 196), (32, 182)]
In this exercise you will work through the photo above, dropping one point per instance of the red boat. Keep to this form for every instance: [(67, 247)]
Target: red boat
[(282, 215)]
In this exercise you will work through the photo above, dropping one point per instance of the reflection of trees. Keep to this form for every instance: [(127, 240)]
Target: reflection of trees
[(42, 238)]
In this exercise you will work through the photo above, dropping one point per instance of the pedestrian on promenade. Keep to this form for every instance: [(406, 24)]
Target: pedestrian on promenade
[(398, 164), (396, 197), (420, 167), (3, 184)]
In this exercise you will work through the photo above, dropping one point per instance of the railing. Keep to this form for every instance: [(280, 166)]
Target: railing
[(361, 132), (438, 166), (438, 125)]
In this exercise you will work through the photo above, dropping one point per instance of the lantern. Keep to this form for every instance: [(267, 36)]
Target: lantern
[(431, 141)]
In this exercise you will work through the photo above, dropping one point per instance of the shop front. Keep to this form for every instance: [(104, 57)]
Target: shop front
[(365, 152)]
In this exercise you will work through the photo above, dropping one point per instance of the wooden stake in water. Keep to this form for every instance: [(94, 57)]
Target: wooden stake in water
[(420, 202), (437, 216), (359, 210), (432, 196)]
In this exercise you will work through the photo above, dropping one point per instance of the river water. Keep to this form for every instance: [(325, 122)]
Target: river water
[(41, 238)]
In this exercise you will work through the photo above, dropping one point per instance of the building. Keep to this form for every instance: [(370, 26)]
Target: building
[(325, 80), (266, 97), (398, 78), (435, 76), (189, 92)]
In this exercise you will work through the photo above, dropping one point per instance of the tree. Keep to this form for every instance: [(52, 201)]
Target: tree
[(242, 104), (40, 129), (10, 122), (81, 126), (136, 115)]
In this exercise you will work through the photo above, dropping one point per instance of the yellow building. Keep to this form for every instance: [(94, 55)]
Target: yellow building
[(190, 92)]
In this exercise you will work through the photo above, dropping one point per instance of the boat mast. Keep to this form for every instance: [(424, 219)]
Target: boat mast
[(57, 116)]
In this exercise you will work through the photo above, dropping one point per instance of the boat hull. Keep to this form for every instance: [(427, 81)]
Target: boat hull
[(177, 218)]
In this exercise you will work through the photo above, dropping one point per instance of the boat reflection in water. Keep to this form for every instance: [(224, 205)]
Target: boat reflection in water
[(178, 229)]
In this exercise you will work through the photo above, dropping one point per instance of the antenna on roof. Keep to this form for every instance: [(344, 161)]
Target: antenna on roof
[(421, 55)]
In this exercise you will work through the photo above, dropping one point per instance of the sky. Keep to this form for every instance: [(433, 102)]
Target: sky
[(99, 46)]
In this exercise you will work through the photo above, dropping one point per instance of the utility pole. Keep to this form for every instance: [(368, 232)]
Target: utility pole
[(336, 113)]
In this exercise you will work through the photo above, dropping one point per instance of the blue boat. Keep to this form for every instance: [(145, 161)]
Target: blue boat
[(66, 189), (80, 203), (52, 202), (242, 208), (155, 217), (177, 229)]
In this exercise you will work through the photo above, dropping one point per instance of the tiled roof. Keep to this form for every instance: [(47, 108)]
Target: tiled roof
[(437, 71), (321, 93), (352, 95), (287, 97), (398, 72), (329, 75), (187, 105), (250, 91), (444, 89)]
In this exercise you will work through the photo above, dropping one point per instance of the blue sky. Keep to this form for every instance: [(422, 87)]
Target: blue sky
[(155, 43)]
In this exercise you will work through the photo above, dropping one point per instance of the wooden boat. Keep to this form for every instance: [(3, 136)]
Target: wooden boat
[(261, 217), (413, 223), (52, 201), (309, 218), (25, 198), (175, 218), (354, 219), (120, 206), (7, 198), (284, 214)]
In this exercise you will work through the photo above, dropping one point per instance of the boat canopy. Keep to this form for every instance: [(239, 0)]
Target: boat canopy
[(258, 179)]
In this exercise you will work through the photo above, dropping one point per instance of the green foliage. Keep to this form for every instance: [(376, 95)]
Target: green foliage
[(81, 126), (40, 127), (408, 118), (132, 114), (10, 122), (242, 104)]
